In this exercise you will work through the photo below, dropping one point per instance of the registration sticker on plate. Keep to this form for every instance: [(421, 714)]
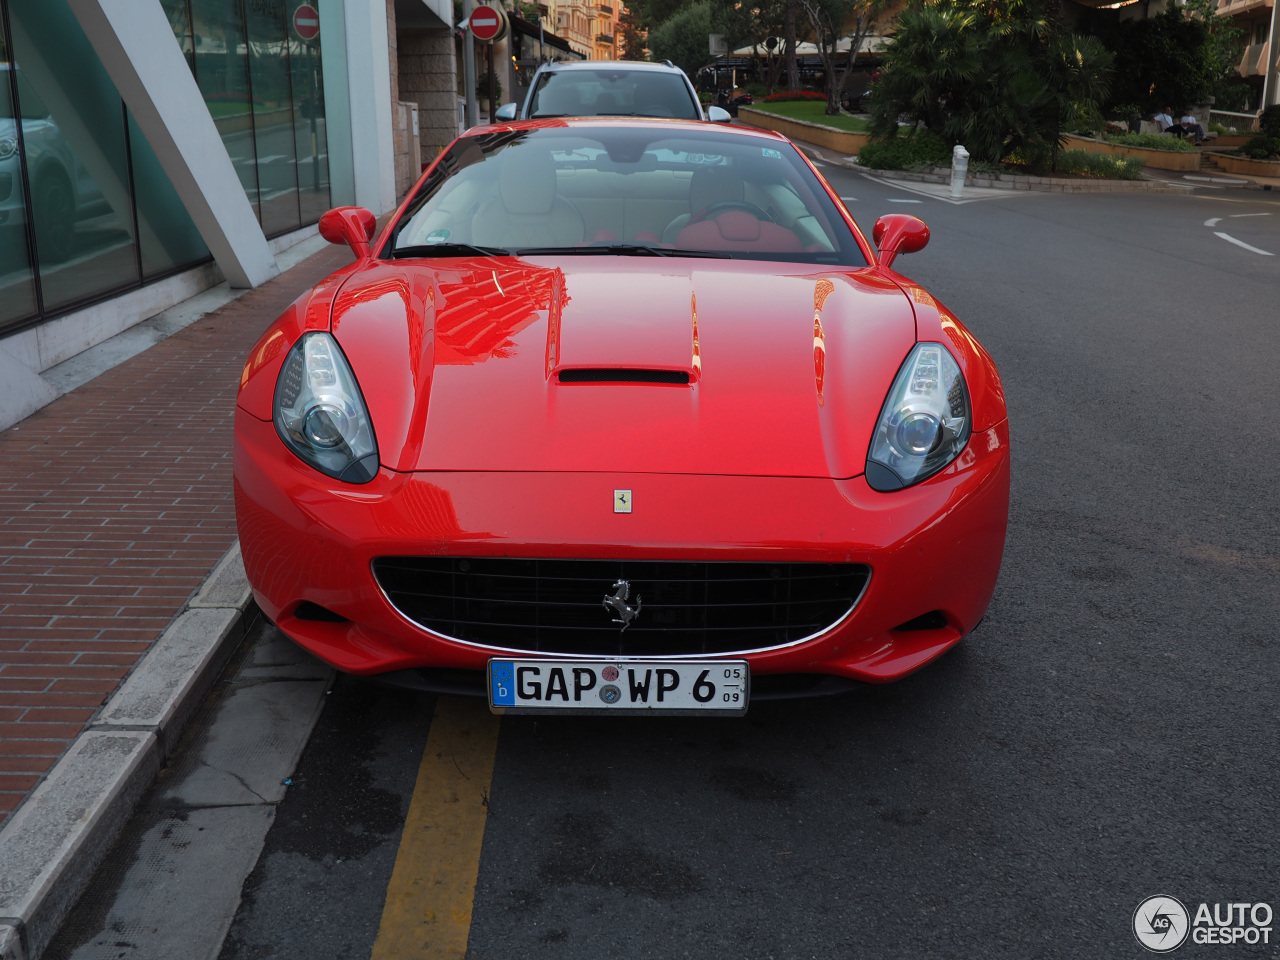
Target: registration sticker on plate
[(619, 686)]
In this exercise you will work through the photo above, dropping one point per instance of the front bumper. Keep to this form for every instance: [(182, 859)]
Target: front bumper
[(933, 548)]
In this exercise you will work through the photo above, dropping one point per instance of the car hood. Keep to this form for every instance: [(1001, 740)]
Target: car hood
[(462, 364)]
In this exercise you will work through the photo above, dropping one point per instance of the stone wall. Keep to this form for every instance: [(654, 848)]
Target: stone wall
[(428, 76), (408, 153)]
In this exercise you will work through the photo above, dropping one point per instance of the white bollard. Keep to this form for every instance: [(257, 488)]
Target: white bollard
[(959, 169)]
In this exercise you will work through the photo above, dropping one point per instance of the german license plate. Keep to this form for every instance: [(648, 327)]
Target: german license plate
[(720, 687)]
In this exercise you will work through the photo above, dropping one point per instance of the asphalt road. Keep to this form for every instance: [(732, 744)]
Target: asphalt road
[(1109, 732)]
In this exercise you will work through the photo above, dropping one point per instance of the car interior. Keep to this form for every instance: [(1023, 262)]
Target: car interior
[(746, 200)]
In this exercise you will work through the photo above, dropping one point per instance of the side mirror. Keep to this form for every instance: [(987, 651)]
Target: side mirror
[(897, 233), (718, 115), (353, 226), (506, 112)]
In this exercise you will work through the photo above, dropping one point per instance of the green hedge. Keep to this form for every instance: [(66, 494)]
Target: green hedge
[(1152, 141), (1084, 164), (917, 149), (1261, 147)]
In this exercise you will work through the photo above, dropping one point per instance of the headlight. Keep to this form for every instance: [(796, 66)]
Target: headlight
[(924, 423), (8, 147), (319, 413)]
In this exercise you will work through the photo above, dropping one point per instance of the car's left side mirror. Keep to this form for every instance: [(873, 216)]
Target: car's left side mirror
[(353, 226), (718, 115), (506, 112), (897, 233)]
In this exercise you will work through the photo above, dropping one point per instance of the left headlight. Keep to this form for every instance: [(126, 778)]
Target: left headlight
[(8, 147), (925, 422), (320, 414)]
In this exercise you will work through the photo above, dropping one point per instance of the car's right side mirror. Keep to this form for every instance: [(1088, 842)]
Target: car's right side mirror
[(718, 115), (897, 233), (506, 112)]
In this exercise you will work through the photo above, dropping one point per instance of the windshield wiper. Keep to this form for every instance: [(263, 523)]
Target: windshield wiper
[(622, 250), (428, 250)]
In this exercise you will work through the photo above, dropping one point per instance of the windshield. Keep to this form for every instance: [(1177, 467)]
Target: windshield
[(644, 190), (612, 93)]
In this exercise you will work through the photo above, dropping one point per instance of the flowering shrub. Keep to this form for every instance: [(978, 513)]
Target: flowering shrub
[(1152, 141), (802, 95)]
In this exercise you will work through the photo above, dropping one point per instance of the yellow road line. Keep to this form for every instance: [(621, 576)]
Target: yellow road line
[(427, 914)]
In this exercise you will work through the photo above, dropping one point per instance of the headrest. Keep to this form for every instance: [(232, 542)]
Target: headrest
[(528, 182), (710, 185)]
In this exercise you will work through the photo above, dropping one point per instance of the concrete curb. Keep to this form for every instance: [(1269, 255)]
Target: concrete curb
[(1006, 181), (51, 847)]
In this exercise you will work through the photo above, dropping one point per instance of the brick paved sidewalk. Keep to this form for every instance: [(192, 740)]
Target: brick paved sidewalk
[(115, 502)]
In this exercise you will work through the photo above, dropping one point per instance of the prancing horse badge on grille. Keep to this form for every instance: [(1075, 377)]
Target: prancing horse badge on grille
[(617, 604)]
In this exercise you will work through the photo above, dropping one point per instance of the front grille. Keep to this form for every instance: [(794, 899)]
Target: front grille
[(557, 606)]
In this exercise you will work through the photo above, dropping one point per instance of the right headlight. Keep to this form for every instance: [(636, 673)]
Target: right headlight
[(8, 147), (319, 413), (925, 422)]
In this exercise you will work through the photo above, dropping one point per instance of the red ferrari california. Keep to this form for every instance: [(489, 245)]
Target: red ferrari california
[(622, 416)]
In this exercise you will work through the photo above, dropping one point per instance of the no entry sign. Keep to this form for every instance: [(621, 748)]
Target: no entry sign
[(487, 23), (306, 22)]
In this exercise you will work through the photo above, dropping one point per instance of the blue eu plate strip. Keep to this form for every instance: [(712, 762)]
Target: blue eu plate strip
[(502, 683)]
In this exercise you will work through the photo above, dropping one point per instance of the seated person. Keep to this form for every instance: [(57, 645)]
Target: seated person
[(1166, 121), (1189, 126)]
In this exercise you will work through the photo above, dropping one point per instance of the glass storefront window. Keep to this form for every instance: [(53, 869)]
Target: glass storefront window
[(222, 73), (17, 282), (85, 207), (76, 158), (167, 236), (309, 126), (273, 116)]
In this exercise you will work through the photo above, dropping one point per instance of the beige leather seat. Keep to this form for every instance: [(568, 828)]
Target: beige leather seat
[(527, 212), (708, 185)]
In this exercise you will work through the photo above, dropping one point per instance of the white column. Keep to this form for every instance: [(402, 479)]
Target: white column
[(337, 110), (136, 45), (369, 95)]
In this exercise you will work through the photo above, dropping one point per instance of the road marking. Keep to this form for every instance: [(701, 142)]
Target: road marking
[(1236, 215), (1240, 243), (1213, 221), (898, 200), (849, 199), (427, 914)]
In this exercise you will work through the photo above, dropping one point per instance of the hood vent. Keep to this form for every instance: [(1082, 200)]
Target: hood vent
[(621, 375)]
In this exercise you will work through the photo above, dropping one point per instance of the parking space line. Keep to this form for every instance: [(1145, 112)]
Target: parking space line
[(1235, 216), (1240, 243), (427, 913)]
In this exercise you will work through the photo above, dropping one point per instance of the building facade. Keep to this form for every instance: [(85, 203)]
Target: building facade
[(1260, 64), (150, 150)]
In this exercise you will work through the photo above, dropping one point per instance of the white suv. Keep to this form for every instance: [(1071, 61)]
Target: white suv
[(609, 88)]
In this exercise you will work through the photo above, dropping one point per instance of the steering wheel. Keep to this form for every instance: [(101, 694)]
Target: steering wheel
[(724, 206)]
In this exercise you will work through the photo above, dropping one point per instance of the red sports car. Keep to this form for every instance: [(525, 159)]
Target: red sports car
[(622, 415)]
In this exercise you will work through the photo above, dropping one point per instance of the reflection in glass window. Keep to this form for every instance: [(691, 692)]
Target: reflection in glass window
[(167, 237), (179, 16), (17, 285), (309, 127), (76, 156), (272, 116), (222, 73)]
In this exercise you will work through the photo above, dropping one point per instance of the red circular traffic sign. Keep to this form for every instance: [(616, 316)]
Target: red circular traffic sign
[(306, 22), (486, 23)]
